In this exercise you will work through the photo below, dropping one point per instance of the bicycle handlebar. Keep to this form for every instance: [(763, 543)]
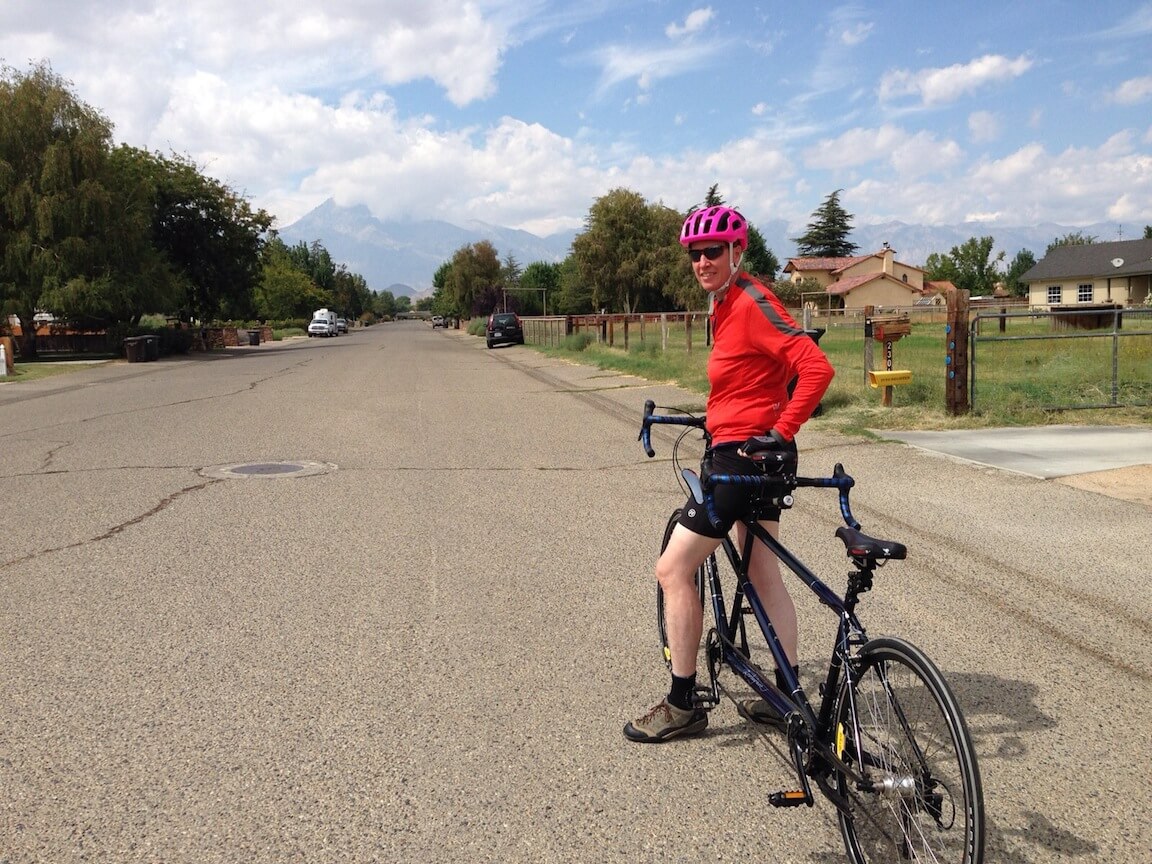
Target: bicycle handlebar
[(664, 419), (840, 480)]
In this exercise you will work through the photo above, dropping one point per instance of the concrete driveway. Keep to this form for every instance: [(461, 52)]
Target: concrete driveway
[(1111, 460)]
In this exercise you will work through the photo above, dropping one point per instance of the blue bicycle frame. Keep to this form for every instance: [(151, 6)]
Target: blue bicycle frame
[(806, 728)]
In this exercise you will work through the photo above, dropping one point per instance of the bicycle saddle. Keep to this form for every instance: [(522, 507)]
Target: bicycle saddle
[(860, 545)]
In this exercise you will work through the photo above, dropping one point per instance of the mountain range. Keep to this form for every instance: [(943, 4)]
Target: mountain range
[(402, 256)]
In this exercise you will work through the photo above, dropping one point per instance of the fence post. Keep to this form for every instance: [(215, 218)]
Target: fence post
[(688, 316), (663, 331), (956, 336)]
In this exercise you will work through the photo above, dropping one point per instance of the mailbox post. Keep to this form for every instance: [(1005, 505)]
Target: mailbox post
[(889, 331)]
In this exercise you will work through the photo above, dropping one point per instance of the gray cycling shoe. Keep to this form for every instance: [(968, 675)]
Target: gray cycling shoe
[(665, 721)]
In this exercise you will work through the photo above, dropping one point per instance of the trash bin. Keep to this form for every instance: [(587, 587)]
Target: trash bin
[(151, 347), (253, 337), (134, 349), (814, 334)]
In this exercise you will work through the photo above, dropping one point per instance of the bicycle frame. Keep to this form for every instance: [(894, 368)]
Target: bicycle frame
[(809, 732), (795, 707)]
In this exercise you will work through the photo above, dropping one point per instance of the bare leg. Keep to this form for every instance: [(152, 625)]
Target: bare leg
[(764, 573), (683, 617)]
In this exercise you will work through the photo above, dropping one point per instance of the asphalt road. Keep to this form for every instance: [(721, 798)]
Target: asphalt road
[(422, 645)]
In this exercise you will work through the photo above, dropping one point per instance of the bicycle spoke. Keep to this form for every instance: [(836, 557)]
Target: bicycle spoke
[(920, 800)]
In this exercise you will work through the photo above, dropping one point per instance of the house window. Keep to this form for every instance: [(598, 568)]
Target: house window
[(1083, 293), (1053, 293)]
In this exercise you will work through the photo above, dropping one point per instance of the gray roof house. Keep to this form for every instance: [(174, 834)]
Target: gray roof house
[(1094, 273)]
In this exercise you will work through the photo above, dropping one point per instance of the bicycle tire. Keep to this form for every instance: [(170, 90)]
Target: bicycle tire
[(927, 803), (701, 581)]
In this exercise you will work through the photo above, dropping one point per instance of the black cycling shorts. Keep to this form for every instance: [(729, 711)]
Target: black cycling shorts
[(731, 503)]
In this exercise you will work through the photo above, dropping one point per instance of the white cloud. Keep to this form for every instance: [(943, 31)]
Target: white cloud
[(1133, 90), (983, 126), (621, 63), (696, 21), (943, 85), (856, 34), (910, 154)]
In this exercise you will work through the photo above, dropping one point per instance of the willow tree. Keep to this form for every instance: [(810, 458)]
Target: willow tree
[(53, 203), (629, 253), (473, 281)]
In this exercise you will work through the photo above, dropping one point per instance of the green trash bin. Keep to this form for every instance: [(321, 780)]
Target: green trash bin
[(253, 337)]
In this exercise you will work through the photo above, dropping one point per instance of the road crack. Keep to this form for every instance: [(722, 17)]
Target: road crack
[(115, 529)]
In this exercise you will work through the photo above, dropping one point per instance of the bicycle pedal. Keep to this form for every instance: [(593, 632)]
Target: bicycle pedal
[(789, 798), (703, 697)]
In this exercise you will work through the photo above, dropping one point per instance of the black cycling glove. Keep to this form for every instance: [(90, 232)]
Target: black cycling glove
[(762, 447)]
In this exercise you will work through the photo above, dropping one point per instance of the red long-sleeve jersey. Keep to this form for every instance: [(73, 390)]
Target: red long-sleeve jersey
[(756, 350)]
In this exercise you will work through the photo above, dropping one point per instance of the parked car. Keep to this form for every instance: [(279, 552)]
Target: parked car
[(437, 321), (341, 325), (504, 329), (322, 327)]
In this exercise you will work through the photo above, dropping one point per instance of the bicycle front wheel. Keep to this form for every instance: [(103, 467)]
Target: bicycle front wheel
[(661, 624), (898, 725)]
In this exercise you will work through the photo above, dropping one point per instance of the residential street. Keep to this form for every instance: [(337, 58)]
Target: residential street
[(388, 597)]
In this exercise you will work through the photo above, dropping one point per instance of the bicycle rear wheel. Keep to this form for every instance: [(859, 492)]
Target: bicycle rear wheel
[(900, 726), (701, 581)]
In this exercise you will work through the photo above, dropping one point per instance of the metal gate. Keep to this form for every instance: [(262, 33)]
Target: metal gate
[(1100, 353)]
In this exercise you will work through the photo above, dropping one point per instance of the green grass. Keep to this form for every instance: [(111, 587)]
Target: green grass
[(37, 370), (1017, 382)]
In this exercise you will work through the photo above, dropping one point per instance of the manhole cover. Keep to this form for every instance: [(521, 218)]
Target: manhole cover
[(249, 470)]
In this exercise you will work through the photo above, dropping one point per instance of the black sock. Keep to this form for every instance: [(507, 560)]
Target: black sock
[(680, 696)]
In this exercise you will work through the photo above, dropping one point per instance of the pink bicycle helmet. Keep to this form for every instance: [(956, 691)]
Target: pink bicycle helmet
[(715, 223)]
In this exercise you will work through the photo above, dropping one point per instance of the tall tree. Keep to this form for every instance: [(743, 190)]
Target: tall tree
[(827, 234), (575, 295), (126, 276), (1148, 232), (474, 278), (1074, 238), (1021, 264), (285, 291), (541, 278), (629, 253), (213, 238), (971, 265), (53, 152)]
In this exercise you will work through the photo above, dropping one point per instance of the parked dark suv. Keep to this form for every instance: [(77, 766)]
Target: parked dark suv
[(504, 328)]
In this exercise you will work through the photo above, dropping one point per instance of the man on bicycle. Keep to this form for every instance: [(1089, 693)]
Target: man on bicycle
[(757, 349)]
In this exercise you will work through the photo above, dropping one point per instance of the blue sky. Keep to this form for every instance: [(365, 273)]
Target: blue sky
[(521, 112)]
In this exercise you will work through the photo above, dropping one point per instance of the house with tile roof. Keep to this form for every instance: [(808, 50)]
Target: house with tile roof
[(865, 280), (1116, 273)]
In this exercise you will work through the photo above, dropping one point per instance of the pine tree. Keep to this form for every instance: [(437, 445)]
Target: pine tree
[(827, 234)]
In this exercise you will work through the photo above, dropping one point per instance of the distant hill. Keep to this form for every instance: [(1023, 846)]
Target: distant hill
[(405, 255)]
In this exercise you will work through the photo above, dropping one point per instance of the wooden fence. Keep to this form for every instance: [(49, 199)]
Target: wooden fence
[(671, 328), (689, 329)]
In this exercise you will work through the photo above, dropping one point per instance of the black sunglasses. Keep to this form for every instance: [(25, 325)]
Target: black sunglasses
[(709, 252)]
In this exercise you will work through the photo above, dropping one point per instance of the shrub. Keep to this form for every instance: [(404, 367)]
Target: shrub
[(578, 341)]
